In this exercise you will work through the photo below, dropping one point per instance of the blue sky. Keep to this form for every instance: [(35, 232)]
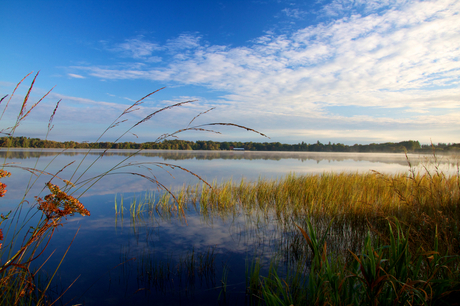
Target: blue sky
[(340, 71)]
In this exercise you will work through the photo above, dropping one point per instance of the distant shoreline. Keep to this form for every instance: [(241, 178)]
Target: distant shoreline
[(409, 146)]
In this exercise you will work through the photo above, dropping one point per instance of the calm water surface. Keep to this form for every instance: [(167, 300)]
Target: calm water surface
[(119, 260)]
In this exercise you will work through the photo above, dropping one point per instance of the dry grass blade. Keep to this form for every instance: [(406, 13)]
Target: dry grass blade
[(188, 171), (156, 182), (35, 104), (62, 294), (128, 110), (148, 117), (26, 98), (202, 113), (24, 112), (160, 165), (62, 169), (139, 102), (236, 125), (7, 103), (36, 235), (49, 283), (165, 136), (132, 109), (117, 123), (35, 172), (50, 127), (4, 97), (160, 110)]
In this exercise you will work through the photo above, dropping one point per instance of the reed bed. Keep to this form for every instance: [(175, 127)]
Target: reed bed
[(349, 238), (422, 202), (380, 274)]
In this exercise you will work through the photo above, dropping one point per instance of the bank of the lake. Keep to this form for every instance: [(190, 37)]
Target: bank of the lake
[(411, 146)]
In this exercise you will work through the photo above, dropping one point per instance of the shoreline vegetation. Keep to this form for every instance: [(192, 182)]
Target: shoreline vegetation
[(411, 146)]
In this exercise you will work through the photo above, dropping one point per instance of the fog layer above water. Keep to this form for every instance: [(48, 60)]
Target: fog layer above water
[(211, 166)]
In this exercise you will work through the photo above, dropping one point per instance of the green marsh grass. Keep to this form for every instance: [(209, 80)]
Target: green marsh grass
[(380, 274), (224, 283), (119, 207), (420, 201), (355, 238)]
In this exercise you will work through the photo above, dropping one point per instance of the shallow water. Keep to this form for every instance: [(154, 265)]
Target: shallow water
[(120, 260)]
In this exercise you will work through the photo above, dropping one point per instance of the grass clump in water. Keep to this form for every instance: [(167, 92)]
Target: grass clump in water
[(372, 238), (380, 274), (356, 201)]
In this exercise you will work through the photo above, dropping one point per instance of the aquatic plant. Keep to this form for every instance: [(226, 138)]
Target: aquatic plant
[(175, 271), (421, 201), (345, 238), (367, 239), (380, 274)]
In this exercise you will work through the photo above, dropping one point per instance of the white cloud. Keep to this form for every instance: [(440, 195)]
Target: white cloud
[(184, 41), (138, 48), (77, 76), (349, 7), (294, 13), (397, 54)]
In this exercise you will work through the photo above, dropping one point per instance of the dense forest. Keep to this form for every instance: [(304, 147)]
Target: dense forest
[(409, 146)]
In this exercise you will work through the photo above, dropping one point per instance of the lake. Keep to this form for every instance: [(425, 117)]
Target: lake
[(196, 259)]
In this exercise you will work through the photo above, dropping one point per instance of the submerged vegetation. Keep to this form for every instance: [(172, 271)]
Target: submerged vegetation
[(379, 274), (422, 202), (349, 238)]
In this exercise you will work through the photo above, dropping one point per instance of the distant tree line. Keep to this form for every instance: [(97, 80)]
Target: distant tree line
[(409, 146)]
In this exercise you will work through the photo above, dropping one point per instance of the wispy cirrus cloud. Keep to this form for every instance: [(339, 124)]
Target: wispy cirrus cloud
[(184, 41), (76, 76), (294, 13), (352, 7), (139, 48)]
